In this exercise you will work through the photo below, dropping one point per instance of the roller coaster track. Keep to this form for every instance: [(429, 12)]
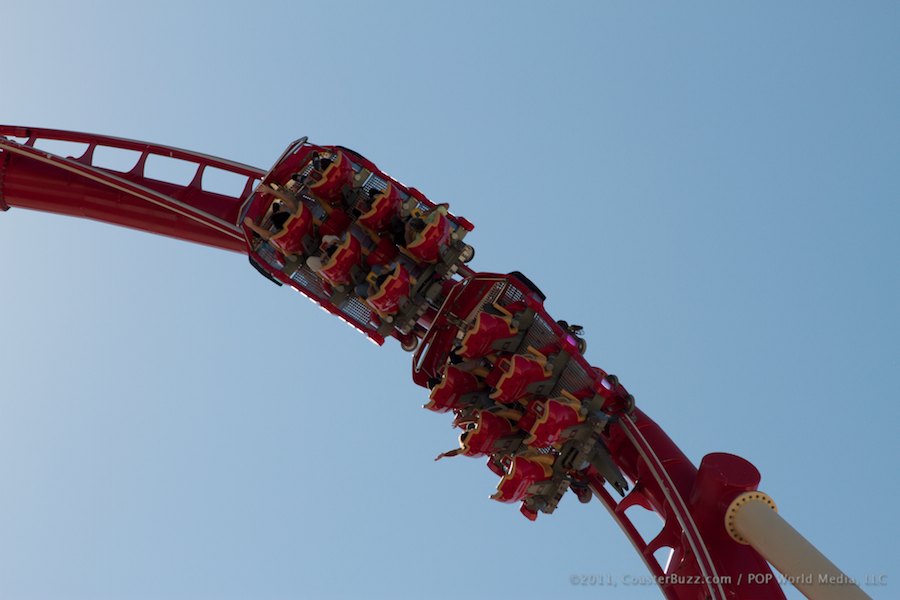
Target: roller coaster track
[(705, 561)]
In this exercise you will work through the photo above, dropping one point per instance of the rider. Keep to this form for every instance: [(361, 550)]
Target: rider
[(280, 215), (329, 244)]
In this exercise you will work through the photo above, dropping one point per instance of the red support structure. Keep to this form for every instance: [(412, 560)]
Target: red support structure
[(704, 561)]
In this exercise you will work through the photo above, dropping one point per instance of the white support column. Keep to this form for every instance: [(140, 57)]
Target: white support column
[(752, 518)]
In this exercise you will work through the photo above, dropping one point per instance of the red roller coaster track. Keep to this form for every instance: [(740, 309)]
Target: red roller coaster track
[(608, 447)]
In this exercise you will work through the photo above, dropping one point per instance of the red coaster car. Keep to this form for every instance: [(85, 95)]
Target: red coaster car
[(328, 184), (546, 420), (319, 177), (521, 473), (384, 206), (337, 270), (386, 299)]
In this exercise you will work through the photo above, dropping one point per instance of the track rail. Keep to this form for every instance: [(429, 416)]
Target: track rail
[(78, 186)]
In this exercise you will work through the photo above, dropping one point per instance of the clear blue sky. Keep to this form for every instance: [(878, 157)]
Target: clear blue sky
[(711, 189)]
